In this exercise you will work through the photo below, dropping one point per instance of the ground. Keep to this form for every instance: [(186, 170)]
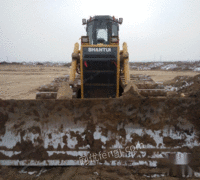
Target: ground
[(77, 173), (22, 82)]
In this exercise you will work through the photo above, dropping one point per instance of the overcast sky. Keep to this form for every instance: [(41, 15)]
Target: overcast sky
[(46, 30)]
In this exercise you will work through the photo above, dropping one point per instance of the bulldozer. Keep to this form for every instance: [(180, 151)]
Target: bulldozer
[(99, 69), (103, 116)]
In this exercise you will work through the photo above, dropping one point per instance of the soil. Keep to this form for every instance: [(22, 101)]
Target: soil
[(190, 86), (22, 82), (80, 173), (162, 76)]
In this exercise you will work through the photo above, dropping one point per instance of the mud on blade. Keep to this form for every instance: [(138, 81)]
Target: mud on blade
[(123, 131)]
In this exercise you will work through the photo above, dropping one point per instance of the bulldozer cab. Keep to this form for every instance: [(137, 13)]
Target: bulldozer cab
[(101, 29)]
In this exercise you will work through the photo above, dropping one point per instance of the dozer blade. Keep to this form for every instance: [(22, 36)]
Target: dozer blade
[(123, 131)]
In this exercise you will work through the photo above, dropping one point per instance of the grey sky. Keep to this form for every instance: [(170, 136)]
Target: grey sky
[(46, 30)]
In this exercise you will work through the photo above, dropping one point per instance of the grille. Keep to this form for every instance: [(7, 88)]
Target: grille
[(99, 74), (100, 65), (101, 56)]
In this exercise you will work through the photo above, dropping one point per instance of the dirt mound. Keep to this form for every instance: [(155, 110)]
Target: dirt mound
[(64, 92), (190, 86), (131, 90), (54, 85), (178, 81)]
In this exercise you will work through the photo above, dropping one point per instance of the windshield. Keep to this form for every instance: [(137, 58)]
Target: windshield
[(102, 34), (102, 27), (100, 31)]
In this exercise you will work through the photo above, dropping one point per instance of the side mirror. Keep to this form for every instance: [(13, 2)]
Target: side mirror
[(120, 20), (84, 21)]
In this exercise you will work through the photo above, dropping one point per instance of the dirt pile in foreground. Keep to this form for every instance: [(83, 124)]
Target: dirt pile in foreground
[(97, 173), (77, 173), (143, 112)]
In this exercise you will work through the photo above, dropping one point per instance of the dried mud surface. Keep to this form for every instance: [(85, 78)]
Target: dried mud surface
[(110, 113), (80, 173)]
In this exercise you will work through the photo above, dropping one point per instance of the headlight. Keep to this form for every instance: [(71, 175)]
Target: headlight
[(84, 21), (114, 40), (84, 39)]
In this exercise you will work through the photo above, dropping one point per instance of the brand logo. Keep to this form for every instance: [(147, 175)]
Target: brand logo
[(99, 49)]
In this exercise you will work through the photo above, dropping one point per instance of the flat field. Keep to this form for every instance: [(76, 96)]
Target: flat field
[(22, 81)]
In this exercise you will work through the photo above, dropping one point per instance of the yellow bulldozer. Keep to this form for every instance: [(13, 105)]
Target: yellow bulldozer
[(103, 115), (99, 69)]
